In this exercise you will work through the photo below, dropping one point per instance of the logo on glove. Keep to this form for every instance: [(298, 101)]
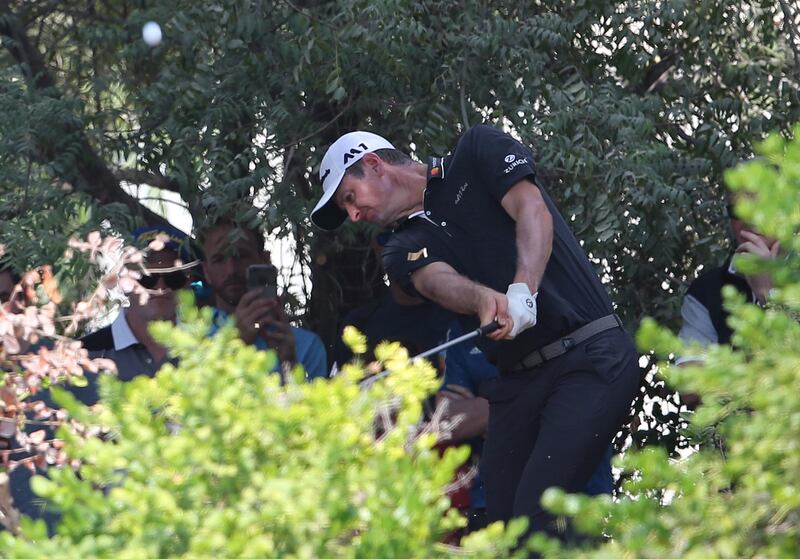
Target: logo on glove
[(521, 308)]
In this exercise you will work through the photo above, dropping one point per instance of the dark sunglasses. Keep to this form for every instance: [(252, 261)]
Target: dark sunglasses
[(173, 280)]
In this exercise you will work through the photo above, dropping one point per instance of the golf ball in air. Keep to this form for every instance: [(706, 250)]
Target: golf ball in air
[(151, 33)]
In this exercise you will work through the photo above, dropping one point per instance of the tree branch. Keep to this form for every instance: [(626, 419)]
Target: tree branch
[(135, 176), (29, 59), (319, 129), (656, 73), (92, 175), (790, 28)]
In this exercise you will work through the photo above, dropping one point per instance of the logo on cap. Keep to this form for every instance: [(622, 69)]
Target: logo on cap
[(510, 157), (344, 152), (348, 155)]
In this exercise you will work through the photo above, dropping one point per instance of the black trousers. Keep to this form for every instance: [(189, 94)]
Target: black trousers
[(549, 426)]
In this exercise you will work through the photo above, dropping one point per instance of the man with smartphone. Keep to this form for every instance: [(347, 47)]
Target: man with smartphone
[(238, 270)]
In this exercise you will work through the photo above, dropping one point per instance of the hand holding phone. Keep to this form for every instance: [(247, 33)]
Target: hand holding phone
[(263, 277), (256, 310), (261, 313)]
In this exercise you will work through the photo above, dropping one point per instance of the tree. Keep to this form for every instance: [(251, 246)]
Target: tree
[(634, 110)]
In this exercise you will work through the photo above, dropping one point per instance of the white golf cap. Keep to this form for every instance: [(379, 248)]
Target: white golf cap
[(343, 153)]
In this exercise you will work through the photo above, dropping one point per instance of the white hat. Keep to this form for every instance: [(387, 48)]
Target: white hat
[(343, 153)]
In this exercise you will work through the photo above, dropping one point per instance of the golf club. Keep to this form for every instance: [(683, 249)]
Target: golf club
[(481, 331)]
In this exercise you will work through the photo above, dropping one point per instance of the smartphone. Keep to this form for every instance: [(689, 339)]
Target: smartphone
[(263, 277)]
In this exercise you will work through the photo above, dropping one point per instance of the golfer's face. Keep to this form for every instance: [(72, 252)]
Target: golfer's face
[(365, 199)]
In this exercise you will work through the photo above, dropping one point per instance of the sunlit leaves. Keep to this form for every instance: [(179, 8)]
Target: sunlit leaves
[(219, 458)]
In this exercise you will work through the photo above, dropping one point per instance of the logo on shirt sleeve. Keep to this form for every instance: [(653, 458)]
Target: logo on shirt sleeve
[(461, 191), (513, 163), (414, 256), (436, 168)]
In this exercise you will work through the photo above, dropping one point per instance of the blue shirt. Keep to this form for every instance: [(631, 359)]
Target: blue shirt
[(308, 347)]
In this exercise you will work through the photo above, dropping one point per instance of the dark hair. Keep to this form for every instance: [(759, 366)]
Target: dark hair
[(387, 155), (206, 228)]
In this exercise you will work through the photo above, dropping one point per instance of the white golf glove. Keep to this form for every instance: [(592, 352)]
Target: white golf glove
[(521, 307)]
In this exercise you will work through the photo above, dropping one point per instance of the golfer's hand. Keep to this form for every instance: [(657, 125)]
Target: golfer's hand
[(494, 306), (521, 307), (759, 246), (251, 315)]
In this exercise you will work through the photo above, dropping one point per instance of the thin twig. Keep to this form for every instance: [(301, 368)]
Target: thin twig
[(320, 129), (464, 115)]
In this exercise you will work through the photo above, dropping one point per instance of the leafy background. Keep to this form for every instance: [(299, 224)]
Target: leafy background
[(634, 110)]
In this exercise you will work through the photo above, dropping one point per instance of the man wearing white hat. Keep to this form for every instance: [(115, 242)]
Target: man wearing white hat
[(475, 233)]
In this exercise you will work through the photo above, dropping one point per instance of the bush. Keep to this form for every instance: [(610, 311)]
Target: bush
[(741, 499), (215, 458)]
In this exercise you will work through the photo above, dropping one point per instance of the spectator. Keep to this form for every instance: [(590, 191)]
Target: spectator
[(705, 319), (24, 500), (9, 278), (12, 297), (395, 316), (127, 340), (229, 250)]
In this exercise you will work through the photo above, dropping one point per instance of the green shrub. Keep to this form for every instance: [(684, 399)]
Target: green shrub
[(742, 497), (215, 458)]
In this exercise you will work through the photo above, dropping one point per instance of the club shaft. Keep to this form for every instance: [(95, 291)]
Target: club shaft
[(483, 330), (468, 336)]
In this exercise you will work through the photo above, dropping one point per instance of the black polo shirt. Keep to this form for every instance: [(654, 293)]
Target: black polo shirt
[(464, 225)]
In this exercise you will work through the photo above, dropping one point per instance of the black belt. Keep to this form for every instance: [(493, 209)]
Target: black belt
[(563, 345)]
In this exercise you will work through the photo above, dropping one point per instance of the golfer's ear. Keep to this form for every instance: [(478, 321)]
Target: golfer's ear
[(374, 162)]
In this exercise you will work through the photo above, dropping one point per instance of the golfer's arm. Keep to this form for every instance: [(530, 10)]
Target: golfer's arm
[(440, 283), (534, 230)]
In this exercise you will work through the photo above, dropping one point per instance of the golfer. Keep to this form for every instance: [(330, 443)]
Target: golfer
[(475, 233)]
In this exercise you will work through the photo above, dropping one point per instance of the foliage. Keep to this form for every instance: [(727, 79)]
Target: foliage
[(215, 458), (38, 351), (741, 501), (634, 110)]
